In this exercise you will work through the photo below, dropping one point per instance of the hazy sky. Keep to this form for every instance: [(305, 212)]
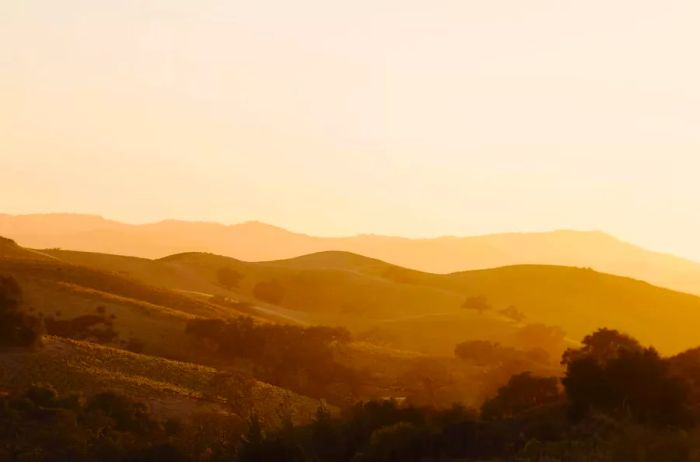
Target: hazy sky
[(404, 117)]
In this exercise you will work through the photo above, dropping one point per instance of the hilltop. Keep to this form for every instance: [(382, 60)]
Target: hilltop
[(254, 241)]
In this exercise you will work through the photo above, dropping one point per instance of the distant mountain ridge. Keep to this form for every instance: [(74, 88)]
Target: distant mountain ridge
[(255, 241)]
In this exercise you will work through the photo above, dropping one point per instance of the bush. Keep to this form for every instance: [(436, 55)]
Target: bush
[(96, 328), (17, 329), (522, 393)]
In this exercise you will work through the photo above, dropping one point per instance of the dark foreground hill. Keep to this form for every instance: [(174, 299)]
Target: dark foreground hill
[(170, 388)]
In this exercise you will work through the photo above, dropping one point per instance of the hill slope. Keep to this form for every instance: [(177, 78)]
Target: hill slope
[(171, 388), (423, 311), (150, 318), (257, 242)]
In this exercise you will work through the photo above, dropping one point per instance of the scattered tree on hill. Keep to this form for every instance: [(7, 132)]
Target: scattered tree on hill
[(269, 291), (228, 277), (513, 313), (481, 352), (486, 353), (17, 329), (299, 358), (128, 416), (96, 328), (478, 304)]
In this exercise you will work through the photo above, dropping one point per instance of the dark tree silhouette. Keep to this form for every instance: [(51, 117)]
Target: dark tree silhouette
[(513, 313), (10, 293), (602, 346), (17, 329), (128, 416), (612, 373), (95, 328), (300, 358), (523, 392), (483, 352), (479, 304), (256, 448)]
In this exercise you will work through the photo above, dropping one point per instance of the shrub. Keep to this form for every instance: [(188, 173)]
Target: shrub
[(17, 329)]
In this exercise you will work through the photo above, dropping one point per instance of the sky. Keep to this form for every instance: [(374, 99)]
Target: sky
[(414, 118)]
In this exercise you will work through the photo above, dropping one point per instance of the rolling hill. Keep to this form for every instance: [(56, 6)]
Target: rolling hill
[(148, 318), (406, 323), (420, 311), (260, 242), (152, 317)]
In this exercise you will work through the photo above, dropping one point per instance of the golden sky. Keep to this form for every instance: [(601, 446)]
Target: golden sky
[(404, 117)]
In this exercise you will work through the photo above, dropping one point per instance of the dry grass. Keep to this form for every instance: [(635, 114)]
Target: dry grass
[(170, 387)]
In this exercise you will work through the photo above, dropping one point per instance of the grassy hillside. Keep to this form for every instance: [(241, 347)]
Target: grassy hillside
[(578, 300), (170, 388), (423, 311), (151, 318)]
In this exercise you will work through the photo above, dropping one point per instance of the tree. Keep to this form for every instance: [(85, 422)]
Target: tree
[(228, 277), (602, 346), (479, 304), (95, 328), (326, 439), (614, 374), (483, 352), (17, 329), (256, 448), (128, 416), (401, 442), (295, 357), (686, 365), (10, 293), (523, 392), (513, 313)]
